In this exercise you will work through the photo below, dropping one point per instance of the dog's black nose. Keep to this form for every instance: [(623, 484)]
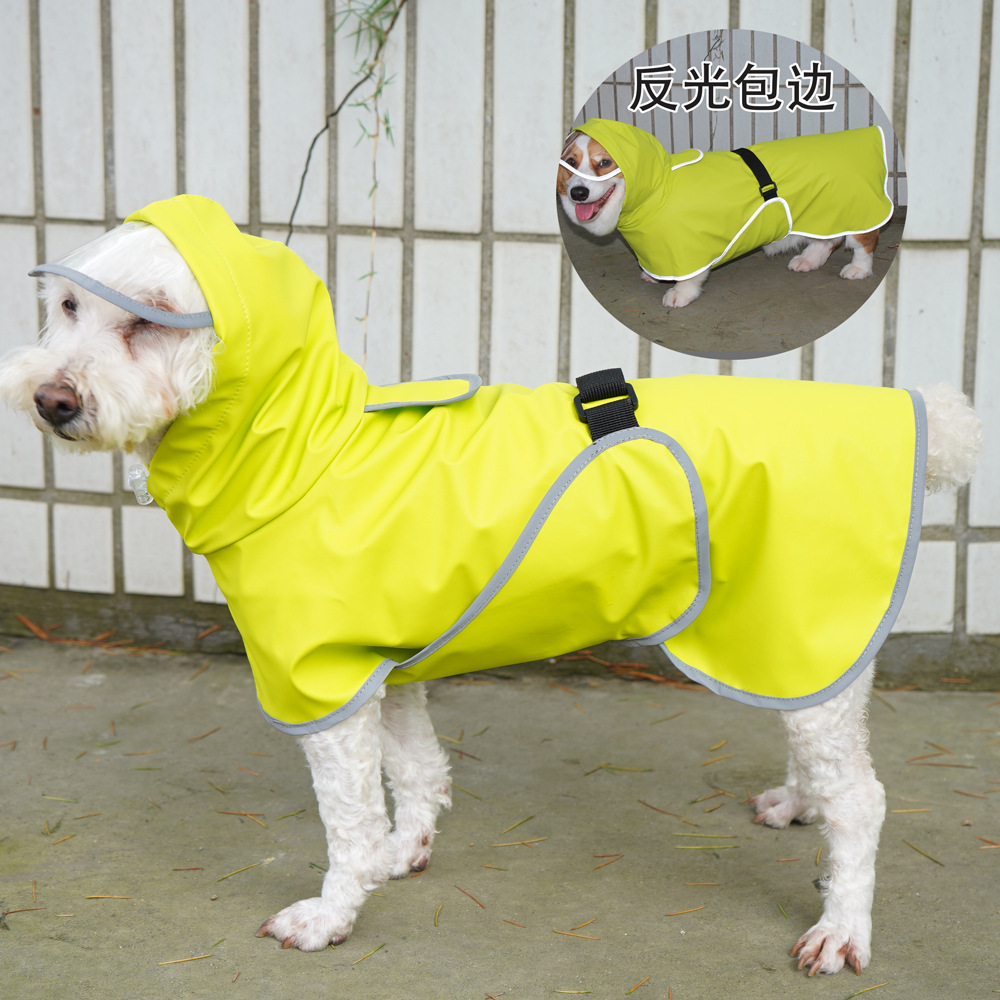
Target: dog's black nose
[(57, 404), (579, 193)]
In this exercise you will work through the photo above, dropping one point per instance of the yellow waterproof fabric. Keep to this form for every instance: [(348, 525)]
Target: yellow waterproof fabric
[(762, 529), (687, 211)]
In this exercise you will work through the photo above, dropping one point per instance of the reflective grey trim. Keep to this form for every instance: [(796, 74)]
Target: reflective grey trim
[(474, 383), (545, 508), (362, 695), (179, 321), (517, 553), (888, 619)]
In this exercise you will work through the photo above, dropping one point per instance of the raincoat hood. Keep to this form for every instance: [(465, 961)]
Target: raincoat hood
[(684, 212), (762, 531), (244, 455)]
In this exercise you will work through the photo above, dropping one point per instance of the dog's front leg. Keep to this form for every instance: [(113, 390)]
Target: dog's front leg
[(417, 769), (686, 291), (346, 763), (815, 255), (833, 773)]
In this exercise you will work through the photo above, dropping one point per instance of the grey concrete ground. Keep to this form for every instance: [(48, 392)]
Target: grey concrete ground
[(750, 307), (125, 829)]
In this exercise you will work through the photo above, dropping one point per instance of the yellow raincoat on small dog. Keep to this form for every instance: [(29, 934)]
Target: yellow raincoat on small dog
[(764, 531), (684, 212)]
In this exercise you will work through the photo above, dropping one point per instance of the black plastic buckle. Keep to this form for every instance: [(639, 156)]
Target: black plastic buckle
[(614, 402), (629, 392)]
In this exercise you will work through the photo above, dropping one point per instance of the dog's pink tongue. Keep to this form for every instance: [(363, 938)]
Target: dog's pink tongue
[(586, 212)]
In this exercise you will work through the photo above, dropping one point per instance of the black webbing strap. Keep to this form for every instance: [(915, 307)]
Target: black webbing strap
[(616, 414), (768, 189)]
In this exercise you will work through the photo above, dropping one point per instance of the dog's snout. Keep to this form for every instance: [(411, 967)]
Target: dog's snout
[(579, 193), (57, 404)]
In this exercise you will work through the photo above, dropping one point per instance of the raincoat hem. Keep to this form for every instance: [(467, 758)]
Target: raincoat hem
[(885, 623), (516, 555)]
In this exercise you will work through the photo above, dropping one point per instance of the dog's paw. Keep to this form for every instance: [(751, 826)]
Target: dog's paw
[(778, 807), (853, 271), (309, 925), (827, 949), (648, 278), (804, 262), (413, 853), (678, 296)]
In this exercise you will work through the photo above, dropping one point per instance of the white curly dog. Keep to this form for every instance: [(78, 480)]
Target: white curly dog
[(103, 378)]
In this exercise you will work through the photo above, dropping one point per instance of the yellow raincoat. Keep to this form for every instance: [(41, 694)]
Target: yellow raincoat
[(762, 530), (687, 211)]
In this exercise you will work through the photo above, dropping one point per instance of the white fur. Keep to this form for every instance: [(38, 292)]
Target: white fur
[(954, 437), (830, 777), (684, 292), (131, 380)]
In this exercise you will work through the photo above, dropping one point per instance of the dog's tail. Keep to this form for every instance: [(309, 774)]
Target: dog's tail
[(954, 437)]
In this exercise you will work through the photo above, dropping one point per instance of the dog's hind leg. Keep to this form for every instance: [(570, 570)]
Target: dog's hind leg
[(346, 770), (417, 770), (829, 743)]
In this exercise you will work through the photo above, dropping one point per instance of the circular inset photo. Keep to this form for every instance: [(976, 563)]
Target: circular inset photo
[(731, 194)]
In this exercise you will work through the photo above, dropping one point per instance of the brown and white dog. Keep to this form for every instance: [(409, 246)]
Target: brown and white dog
[(591, 188)]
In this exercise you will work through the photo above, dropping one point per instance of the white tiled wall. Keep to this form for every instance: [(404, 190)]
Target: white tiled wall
[(292, 72), (602, 43), (525, 312), (216, 68), (596, 339), (72, 109), (17, 184), (991, 209), (144, 107), (448, 127), (853, 351), (83, 542), (469, 271), (381, 348), (26, 545), (984, 494), (152, 562), (527, 88), (21, 456), (941, 119), (983, 610), (930, 601), (354, 152), (446, 304)]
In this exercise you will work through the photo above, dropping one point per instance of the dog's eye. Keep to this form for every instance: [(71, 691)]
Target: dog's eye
[(605, 162), (571, 160), (69, 306), (139, 325)]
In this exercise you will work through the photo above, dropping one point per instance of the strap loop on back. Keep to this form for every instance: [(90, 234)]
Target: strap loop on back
[(768, 189), (615, 415)]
